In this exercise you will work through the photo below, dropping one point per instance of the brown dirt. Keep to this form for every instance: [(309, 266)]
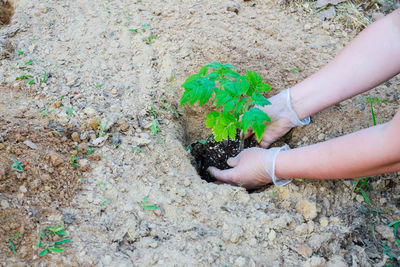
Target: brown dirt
[(31, 198)]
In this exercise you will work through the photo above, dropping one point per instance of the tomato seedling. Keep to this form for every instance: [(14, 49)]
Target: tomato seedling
[(238, 95)]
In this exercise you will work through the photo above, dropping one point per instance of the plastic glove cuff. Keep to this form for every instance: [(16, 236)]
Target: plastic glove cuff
[(278, 181), (294, 118)]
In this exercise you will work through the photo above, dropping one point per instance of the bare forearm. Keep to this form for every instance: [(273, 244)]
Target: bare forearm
[(368, 152), (370, 59)]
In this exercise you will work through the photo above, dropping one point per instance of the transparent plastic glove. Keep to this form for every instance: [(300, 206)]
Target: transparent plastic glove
[(252, 168), (283, 118)]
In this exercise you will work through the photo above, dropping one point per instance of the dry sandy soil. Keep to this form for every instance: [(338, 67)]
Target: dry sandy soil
[(91, 75)]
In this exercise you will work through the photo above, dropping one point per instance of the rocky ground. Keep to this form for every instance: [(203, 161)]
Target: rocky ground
[(95, 87)]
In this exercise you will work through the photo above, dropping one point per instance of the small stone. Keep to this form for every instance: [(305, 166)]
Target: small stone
[(83, 148), (30, 144), (116, 140), (307, 208), (305, 251), (84, 136), (240, 262), (93, 124), (187, 182), (315, 261), (55, 159), (324, 222), (2, 146), (43, 8), (70, 79), (325, 26), (57, 104), (90, 112), (75, 137), (233, 9), (321, 137), (307, 27), (302, 229), (23, 189), (272, 235), (2, 173), (305, 139), (83, 164), (270, 31), (68, 218), (5, 204), (332, 27), (99, 141), (114, 91), (386, 232), (123, 125)]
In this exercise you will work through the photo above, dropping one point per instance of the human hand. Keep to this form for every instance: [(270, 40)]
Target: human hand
[(282, 116), (252, 168)]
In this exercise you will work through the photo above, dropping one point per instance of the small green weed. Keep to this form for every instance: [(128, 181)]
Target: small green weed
[(137, 149), (73, 161), (70, 111), (54, 233), (16, 166), (148, 207), (99, 85), (44, 77), (295, 70), (359, 186), (90, 150), (133, 30), (149, 39), (100, 132), (20, 52), (44, 111), (11, 243), (154, 127)]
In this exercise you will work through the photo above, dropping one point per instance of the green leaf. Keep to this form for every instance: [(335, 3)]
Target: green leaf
[(294, 70), (233, 88), (20, 52), (244, 86), (263, 87), (12, 246), (211, 119), (252, 79), (229, 66), (200, 89), (61, 233), (222, 128), (215, 65), (150, 207), (56, 249), (43, 252), (203, 142), (255, 118), (259, 100), (203, 71)]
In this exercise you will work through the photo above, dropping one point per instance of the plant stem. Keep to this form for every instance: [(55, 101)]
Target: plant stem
[(241, 141)]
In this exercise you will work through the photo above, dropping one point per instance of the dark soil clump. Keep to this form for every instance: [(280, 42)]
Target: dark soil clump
[(215, 154)]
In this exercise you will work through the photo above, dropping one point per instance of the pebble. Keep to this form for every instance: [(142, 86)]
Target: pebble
[(83, 148), (386, 232), (323, 222), (84, 135), (70, 79), (123, 125), (93, 124), (304, 139), (307, 27), (68, 218), (307, 208), (315, 261), (116, 140), (75, 137), (23, 189), (90, 112), (187, 182), (43, 8), (272, 235), (5, 204), (321, 137), (83, 164), (240, 262), (305, 251), (55, 159), (30, 144), (302, 229), (99, 140)]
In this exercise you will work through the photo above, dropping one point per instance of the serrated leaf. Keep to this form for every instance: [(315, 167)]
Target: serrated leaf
[(229, 66), (56, 249), (263, 87), (215, 65), (212, 76), (244, 86), (203, 71), (211, 119), (232, 88), (252, 79), (231, 73), (255, 118), (222, 97), (222, 126), (259, 100), (198, 89), (232, 131)]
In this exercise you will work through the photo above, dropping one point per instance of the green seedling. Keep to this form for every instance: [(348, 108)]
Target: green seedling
[(232, 93), (149, 39), (137, 149), (103, 203), (189, 148), (133, 30), (55, 233), (372, 101), (148, 207), (30, 62), (295, 70), (359, 186), (90, 150), (20, 52), (16, 166), (11, 243), (99, 85), (69, 111), (44, 77), (395, 225), (44, 111), (100, 132), (154, 127), (73, 161), (32, 81), (103, 184)]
